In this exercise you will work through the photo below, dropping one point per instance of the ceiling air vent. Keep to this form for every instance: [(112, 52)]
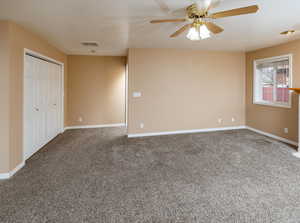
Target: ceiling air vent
[(90, 44)]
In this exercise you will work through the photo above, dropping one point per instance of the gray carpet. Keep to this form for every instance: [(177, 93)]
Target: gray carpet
[(99, 175)]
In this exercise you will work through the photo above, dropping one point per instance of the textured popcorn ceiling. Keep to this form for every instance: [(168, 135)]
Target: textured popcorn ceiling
[(120, 24)]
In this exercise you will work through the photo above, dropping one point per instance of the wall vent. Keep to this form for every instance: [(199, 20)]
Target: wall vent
[(90, 44)]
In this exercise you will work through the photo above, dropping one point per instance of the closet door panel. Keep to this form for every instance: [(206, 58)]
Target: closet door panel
[(37, 105), (57, 100), (42, 99), (48, 100), (29, 102), (51, 111), (41, 103)]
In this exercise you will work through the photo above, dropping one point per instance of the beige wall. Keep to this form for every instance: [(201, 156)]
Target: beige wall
[(4, 96), (273, 119), (185, 89), (96, 89), (19, 39), (181, 90)]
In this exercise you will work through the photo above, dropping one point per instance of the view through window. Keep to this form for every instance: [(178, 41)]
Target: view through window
[(272, 78)]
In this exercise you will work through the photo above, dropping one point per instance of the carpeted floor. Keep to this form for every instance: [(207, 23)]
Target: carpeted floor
[(98, 175)]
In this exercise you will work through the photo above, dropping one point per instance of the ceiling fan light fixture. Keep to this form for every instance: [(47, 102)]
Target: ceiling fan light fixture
[(193, 34), (204, 32), (198, 32)]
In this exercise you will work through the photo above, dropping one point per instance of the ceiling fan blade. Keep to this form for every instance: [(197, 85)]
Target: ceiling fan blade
[(235, 12), (179, 12), (163, 6), (214, 4), (214, 28), (181, 30), (202, 5), (167, 20), (207, 3)]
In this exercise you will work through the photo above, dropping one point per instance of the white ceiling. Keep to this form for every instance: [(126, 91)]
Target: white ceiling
[(121, 24)]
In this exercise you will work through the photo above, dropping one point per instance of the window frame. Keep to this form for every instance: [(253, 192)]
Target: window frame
[(256, 100)]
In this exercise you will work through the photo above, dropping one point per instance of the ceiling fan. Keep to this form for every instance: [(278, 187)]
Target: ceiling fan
[(199, 19)]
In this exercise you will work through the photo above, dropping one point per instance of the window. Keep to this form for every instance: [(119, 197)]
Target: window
[(272, 78)]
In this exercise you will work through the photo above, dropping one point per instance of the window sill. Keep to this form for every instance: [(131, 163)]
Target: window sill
[(273, 104)]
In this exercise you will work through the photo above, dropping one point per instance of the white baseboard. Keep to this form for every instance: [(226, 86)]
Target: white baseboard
[(95, 126), (4, 176), (185, 131), (213, 130), (273, 136), (8, 175)]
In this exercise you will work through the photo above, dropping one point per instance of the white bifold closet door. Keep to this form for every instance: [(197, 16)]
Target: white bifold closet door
[(42, 103)]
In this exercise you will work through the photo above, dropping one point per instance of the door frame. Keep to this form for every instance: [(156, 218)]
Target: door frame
[(62, 109), (126, 94)]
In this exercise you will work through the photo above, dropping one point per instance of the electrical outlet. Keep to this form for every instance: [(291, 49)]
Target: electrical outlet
[(141, 125), (80, 119), (286, 130), (233, 119), (220, 120)]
